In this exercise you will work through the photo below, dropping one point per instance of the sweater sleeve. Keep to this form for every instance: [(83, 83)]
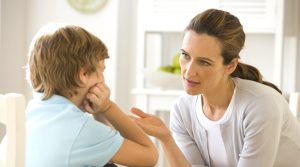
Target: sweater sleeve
[(179, 126), (262, 123)]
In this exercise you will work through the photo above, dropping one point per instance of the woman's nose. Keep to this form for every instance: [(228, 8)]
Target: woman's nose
[(190, 70)]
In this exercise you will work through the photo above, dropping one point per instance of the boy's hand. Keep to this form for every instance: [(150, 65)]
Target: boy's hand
[(97, 99)]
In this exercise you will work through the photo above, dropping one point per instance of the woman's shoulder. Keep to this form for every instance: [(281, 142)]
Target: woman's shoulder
[(256, 97), (186, 100), (254, 90), (184, 106)]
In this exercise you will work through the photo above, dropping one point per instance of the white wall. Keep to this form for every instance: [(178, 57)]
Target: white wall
[(259, 52), (126, 52), (12, 51), (291, 47), (298, 50), (115, 24)]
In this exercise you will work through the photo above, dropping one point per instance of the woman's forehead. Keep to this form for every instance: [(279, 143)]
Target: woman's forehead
[(201, 44)]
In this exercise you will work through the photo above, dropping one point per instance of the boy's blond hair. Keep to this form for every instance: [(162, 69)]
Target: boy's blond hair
[(56, 57)]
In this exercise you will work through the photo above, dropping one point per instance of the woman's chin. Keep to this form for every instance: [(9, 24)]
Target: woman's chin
[(192, 92)]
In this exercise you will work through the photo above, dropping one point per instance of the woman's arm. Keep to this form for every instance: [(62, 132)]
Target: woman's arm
[(155, 127), (173, 154), (262, 125), (137, 149)]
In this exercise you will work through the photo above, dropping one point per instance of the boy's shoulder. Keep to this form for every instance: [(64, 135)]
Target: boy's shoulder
[(56, 108)]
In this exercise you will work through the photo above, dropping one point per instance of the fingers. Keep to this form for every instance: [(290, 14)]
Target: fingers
[(104, 90), (98, 98), (139, 113), (139, 123), (92, 97), (133, 118), (87, 107), (142, 124), (99, 91)]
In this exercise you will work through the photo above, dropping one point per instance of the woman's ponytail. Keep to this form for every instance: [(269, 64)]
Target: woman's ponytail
[(246, 71)]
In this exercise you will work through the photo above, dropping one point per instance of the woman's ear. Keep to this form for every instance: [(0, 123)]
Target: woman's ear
[(232, 65)]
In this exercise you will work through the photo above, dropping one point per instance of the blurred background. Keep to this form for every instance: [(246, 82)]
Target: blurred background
[(114, 22), (146, 34), (144, 37)]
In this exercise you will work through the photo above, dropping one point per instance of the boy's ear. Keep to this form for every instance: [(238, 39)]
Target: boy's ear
[(83, 76), (232, 65)]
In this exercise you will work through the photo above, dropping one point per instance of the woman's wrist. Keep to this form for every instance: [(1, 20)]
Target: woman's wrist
[(166, 138)]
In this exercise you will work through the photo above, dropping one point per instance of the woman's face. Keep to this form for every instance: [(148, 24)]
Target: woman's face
[(201, 64)]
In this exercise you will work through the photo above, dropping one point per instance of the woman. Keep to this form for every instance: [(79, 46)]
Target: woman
[(230, 116)]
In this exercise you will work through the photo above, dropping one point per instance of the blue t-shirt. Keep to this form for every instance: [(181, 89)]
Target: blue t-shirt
[(59, 134)]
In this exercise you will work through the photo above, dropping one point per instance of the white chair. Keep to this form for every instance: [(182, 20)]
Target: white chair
[(2, 131), (294, 103), (12, 114)]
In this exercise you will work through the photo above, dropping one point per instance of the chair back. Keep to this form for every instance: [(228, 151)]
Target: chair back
[(12, 116), (294, 103)]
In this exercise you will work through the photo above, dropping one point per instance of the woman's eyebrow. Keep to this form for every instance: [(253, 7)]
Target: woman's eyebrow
[(204, 58), (183, 51), (198, 58)]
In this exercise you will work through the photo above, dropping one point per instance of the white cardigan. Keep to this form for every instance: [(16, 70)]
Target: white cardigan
[(261, 131)]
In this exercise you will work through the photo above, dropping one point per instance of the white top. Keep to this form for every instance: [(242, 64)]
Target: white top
[(260, 132), (216, 148)]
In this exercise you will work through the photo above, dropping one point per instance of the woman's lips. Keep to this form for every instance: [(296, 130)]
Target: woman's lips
[(190, 83)]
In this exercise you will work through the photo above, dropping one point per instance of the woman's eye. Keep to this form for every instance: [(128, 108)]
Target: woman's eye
[(185, 56), (203, 62)]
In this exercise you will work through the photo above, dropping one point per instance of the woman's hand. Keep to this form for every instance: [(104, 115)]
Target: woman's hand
[(151, 125), (97, 99)]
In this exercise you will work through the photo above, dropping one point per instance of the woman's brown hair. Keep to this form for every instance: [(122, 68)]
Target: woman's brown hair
[(229, 31), (56, 57)]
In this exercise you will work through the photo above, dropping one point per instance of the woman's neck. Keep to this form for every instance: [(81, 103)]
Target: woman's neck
[(215, 104)]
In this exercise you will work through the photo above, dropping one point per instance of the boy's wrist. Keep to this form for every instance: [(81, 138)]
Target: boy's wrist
[(107, 108)]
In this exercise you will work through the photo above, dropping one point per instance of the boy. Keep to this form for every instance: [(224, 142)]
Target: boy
[(65, 69)]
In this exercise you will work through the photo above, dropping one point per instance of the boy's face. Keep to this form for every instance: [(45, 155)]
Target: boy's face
[(97, 76)]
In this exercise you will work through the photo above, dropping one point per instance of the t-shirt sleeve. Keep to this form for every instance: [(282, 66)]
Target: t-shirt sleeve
[(95, 145)]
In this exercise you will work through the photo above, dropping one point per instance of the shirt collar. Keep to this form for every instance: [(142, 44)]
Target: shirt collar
[(52, 99)]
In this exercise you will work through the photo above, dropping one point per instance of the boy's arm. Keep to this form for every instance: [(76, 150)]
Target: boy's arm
[(137, 148), (102, 119)]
